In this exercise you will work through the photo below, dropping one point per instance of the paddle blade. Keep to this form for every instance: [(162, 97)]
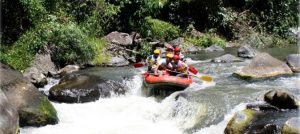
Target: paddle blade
[(137, 65), (193, 70), (205, 78)]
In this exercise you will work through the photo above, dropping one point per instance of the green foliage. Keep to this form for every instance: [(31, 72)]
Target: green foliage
[(98, 46), (160, 29), (35, 9), (205, 40), (274, 16), (66, 43), (145, 49), (132, 12), (102, 20)]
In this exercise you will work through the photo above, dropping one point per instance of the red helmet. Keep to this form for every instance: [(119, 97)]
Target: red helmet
[(176, 57), (177, 49)]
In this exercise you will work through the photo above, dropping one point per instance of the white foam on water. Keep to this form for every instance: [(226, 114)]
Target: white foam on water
[(220, 127), (117, 115)]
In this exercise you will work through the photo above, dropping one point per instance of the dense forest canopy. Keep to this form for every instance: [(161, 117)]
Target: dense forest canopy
[(76, 26)]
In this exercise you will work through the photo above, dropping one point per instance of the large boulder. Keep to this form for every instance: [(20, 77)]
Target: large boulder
[(246, 51), (79, 88), (213, 48), (291, 126), (117, 61), (293, 60), (281, 99), (9, 118), (227, 58), (240, 121), (263, 66), (119, 38), (36, 77), (33, 107), (44, 64)]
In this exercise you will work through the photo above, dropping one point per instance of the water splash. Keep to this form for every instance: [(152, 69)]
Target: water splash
[(220, 127)]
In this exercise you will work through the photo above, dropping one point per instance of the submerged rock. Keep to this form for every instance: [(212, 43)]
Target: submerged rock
[(78, 88), (227, 58), (9, 118), (33, 107), (291, 126), (293, 60), (281, 99), (263, 66), (239, 122), (247, 51)]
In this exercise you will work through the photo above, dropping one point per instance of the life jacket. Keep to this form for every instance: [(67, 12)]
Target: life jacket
[(164, 65), (178, 67), (152, 60), (182, 58)]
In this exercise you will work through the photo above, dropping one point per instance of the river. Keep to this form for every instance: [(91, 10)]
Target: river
[(203, 108)]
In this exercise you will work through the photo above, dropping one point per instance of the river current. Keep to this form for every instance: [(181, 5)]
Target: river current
[(202, 108)]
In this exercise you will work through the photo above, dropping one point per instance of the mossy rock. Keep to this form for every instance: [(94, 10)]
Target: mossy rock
[(41, 116), (292, 126), (240, 122), (33, 107)]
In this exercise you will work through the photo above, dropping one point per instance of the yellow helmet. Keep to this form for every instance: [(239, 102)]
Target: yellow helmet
[(169, 55), (156, 51)]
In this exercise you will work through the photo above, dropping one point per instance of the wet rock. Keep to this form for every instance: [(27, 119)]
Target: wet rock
[(263, 66), (117, 61), (33, 107), (227, 58), (246, 51), (9, 118), (291, 126), (119, 38), (213, 48), (240, 121), (177, 42), (193, 50), (36, 77), (264, 129), (293, 60), (79, 88), (67, 70), (44, 64), (281, 99), (262, 107)]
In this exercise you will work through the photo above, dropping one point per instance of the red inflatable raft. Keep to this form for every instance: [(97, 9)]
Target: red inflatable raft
[(166, 82)]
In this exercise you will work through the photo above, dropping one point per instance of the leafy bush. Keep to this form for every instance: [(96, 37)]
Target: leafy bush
[(102, 20), (205, 40), (66, 43), (145, 49), (160, 29), (98, 46)]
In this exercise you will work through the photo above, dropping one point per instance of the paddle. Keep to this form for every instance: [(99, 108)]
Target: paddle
[(203, 77), (193, 70)]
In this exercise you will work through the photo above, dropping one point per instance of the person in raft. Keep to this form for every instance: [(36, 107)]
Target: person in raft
[(164, 64), (177, 52), (178, 67), (152, 60)]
